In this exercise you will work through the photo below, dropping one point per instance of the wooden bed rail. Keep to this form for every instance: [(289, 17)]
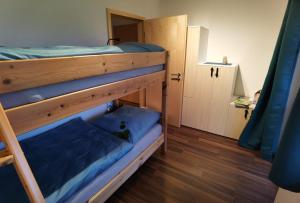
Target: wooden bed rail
[(31, 116), (23, 74), (16, 156)]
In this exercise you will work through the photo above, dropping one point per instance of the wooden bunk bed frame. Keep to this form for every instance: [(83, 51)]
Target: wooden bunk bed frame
[(22, 74)]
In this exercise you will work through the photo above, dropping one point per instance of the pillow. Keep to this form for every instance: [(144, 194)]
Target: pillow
[(128, 122)]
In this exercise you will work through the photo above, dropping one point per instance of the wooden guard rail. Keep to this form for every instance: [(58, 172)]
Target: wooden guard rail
[(23, 74)]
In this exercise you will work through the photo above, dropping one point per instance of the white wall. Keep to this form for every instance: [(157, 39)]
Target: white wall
[(62, 22), (244, 30)]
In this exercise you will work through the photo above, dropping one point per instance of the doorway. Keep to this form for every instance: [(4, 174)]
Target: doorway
[(167, 32), (124, 27)]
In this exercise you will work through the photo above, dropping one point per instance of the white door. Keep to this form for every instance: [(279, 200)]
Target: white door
[(196, 106), (204, 89), (207, 98), (221, 97)]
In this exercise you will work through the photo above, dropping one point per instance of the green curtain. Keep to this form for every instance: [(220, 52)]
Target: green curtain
[(285, 170), (263, 129)]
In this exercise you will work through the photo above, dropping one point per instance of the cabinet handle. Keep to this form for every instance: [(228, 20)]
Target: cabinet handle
[(246, 114), (217, 73), (211, 72)]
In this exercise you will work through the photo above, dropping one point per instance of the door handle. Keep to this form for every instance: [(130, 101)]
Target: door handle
[(217, 73), (177, 76), (211, 72)]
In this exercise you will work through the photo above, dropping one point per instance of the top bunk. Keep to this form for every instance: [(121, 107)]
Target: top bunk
[(65, 81), (25, 68)]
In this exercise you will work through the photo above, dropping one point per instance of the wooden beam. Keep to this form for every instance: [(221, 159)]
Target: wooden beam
[(154, 97), (23, 74), (109, 25), (165, 100), (8, 136), (31, 116), (111, 11), (6, 160), (4, 152)]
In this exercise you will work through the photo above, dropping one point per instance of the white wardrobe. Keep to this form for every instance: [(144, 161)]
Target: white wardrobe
[(208, 89)]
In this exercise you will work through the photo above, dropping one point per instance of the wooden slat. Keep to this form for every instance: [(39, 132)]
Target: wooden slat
[(22, 74), (154, 97), (4, 152), (124, 14), (8, 136), (119, 179), (31, 116), (6, 160), (164, 120)]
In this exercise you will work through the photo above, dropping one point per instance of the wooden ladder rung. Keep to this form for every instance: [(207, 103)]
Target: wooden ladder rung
[(6, 160)]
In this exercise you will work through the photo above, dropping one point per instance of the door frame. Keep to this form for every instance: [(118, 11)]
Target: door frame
[(143, 98), (110, 12)]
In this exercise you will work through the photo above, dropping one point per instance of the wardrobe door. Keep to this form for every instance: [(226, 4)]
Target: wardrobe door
[(203, 97), (197, 98), (223, 86)]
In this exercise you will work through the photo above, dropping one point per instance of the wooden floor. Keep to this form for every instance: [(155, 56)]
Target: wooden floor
[(199, 167)]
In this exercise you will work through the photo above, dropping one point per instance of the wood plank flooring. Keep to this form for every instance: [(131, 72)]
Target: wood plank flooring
[(199, 167)]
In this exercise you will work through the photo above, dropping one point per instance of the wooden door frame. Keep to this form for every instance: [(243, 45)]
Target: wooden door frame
[(110, 12)]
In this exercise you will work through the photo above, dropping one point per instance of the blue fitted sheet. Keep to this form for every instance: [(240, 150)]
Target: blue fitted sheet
[(13, 99), (63, 160), (8, 53), (100, 181)]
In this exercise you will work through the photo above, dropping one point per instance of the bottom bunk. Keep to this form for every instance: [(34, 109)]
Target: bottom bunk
[(109, 181), (79, 160)]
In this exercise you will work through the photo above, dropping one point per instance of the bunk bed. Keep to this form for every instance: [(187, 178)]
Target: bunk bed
[(42, 91)]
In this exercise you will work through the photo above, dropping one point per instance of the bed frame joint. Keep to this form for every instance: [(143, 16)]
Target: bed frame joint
[(6, 160)]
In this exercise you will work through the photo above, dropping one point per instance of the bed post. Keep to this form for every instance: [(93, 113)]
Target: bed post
[(164, 119), (164, 106), (14, 154)]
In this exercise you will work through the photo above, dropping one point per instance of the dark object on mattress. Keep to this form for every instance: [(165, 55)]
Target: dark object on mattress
[(128, 122), (64, 160)]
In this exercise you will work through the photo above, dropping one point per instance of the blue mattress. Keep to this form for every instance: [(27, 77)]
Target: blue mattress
[(100, 181), (13, 99), (59, 165), (8, 53)]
